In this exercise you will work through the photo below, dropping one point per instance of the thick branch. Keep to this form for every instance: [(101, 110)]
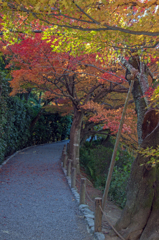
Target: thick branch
[(105, 27)]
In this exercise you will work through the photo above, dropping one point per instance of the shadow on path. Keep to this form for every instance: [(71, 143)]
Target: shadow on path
[(35, 200)]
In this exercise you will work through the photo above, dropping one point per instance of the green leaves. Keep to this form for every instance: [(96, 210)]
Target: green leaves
[(95, 158), (51, 127), (150, 153), (14, 122)]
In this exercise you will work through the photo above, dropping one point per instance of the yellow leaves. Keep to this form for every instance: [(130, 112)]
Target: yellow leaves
[(155, 97), (51, 2), (152, 154), (18, 1), (5, 4), (65, 3), (37, 7)]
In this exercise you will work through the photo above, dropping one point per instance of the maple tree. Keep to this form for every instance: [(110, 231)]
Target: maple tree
[(109, 118), (131, 31), (59, 75)]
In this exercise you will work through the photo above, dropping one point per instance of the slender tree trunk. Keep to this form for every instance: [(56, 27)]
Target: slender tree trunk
[(105, 141), (36, 118), (75, 137), (85, 132), (40, 113)]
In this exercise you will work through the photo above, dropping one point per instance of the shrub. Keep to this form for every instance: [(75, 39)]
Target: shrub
[(14, 126), (96, 160), (51, 127), (17, 132), (120, 176), (16, 116)]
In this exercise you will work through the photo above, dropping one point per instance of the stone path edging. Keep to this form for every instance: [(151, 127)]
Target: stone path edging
[(88, 214)]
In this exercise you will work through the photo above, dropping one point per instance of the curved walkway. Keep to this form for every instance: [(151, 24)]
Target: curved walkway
[(35, 200)]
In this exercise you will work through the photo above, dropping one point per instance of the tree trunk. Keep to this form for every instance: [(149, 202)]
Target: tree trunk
[(138, 92), (36, 118), (86, 132), (140, 108), (140, 217), (75, 137)]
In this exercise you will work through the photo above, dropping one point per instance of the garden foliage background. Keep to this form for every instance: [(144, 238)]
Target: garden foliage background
[(16, 116)]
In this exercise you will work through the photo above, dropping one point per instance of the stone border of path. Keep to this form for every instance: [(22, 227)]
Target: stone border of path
[(88, 214)]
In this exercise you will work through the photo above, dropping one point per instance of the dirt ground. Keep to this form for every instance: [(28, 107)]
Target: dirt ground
[(112, 211)]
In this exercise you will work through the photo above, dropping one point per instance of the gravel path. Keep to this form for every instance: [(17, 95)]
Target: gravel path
[(35, 200)]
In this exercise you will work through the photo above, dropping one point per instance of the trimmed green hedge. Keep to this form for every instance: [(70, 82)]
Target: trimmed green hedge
[(16, 116), (15, 120), (17, 132)]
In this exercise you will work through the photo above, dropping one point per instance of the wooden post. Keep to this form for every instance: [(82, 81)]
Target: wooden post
[(63, 151), (73, 178), (69, 167), (83, 191), (62, 157), (77, 165), (64, 160), (98, 215), (68, 148)]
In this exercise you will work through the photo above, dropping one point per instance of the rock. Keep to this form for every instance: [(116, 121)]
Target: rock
[(87, 211), (69, 181), (83, 206), (91, 216), (90, 222), (99, 236)]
